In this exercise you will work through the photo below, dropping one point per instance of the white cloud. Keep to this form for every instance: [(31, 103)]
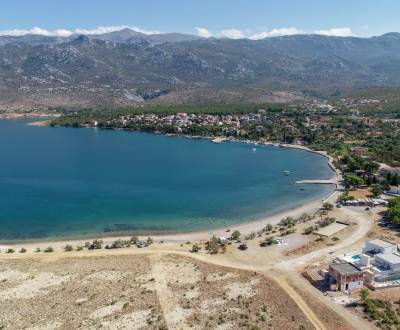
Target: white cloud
[(202, 32), (66, 33), (232, 34), (276, 33), (337, 32)]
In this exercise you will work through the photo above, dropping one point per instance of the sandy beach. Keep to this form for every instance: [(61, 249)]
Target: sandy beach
[(244, 228)]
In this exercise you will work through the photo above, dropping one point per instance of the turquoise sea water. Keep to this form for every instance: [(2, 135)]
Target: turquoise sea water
[(60, 182)]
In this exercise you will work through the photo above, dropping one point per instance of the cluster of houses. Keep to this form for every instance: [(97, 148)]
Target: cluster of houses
[(231, 124), (183, 120), (378, 266)]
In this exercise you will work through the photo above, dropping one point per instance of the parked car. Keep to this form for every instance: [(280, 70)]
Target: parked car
[(243, 247), (141, 244)]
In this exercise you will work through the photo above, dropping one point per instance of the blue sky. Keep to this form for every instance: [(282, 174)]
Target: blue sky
[(228, 18)]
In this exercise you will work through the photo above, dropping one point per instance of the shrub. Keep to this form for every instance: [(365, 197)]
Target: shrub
[(236, 235), (49, 249), (68, 248), (327, 206), (327, 222), (195, 248), (10, 250), (251, 236), (309, 230), (23, 250)]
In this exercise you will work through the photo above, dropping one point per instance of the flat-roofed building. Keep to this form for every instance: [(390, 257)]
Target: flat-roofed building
[(388, 261), (377, 246), (345, 277)]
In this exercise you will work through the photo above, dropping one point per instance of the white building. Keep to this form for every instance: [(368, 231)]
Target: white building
[(377, 246), (395, 191)]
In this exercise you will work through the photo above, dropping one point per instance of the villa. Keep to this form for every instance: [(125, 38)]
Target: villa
[(377, 267)]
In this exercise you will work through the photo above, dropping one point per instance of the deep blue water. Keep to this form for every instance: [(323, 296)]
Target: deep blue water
[(60, 182)]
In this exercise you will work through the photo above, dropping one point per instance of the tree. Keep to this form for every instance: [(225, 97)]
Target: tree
[(97, 244), (236, 235), (68, 248), (327, 206), (149, 241), (376, 190), (213, 245), (393, 212), (353, 181), (134, 239)]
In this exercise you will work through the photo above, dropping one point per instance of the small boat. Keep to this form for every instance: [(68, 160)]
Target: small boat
[(286, 172), (254, 149)]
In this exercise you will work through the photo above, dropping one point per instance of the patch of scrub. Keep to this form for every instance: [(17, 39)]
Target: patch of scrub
[(192, 294), (107, 310), (33, 286), (208, 305), (132, 321), (13, 275), (110, 276), (177, 316), (225, 326), (48, 326), (219, 277), (181, 273), (236, 289)]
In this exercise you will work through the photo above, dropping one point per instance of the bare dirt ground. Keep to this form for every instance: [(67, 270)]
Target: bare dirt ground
[(140, 292)]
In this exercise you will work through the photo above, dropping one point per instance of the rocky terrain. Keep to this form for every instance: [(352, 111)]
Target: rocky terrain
[(129, 68)]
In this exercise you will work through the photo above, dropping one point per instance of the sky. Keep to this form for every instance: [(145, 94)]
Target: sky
[(253, 19)]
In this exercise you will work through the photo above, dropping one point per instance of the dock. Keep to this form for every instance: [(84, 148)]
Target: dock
[(333, 181)]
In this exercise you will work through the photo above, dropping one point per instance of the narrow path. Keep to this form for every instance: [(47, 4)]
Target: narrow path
[(299, 302), (165, 295)]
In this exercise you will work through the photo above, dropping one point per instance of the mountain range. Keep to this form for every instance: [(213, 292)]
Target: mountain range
[(131, 68)]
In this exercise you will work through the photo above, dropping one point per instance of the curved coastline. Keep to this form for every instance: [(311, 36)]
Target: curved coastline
[(245, 227), (183, 237)]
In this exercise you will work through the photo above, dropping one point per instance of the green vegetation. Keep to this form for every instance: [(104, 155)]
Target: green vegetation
[(195, 248), (327, 221), (236, 235), (327, 206), (213, 245), (68, 248), (384, 313), (49, 249), (393, 213), (309, 230)]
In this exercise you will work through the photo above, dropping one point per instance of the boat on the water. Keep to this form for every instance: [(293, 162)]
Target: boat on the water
[(286, 172)]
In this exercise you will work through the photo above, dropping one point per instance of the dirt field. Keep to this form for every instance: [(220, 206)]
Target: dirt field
[(140, 292)]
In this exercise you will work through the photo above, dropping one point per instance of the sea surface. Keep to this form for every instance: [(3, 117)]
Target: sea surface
[(65, 182)]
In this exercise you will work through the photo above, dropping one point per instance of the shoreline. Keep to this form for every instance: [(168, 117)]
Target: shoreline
[(194, 236), (201, 235)]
